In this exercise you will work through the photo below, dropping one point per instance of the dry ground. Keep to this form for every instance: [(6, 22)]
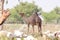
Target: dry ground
[(23, 27)]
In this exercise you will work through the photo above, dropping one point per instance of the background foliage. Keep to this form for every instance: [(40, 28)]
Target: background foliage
[(28, 9)]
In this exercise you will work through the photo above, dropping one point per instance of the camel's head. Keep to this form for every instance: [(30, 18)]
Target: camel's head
[(6, 13), (21, 14)]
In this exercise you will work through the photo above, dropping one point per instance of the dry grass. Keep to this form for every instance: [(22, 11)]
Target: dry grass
[(23, 27)]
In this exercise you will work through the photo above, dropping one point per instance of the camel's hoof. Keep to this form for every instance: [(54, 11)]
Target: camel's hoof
[(41, 35)]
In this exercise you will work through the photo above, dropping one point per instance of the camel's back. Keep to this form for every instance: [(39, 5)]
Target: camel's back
[(34, 18)]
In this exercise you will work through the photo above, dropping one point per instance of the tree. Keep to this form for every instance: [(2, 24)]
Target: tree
[(26, 7), (57, 9), (53, 15), (50, 16)]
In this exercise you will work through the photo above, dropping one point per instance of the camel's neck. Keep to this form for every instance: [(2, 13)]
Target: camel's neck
[(2, 19), (25, 18)]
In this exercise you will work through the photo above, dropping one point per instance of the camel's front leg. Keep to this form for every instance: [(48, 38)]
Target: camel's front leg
[(40, 29), (28, 27), (33, 28)]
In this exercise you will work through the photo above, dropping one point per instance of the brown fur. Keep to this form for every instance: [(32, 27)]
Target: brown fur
[(4, 16), (34, 19)]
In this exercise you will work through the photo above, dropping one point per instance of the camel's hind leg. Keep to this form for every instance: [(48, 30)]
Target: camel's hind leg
[(28, 28), (40, 28)]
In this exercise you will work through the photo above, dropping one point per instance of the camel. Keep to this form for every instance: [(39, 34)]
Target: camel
[(4, 16), (34, 19)]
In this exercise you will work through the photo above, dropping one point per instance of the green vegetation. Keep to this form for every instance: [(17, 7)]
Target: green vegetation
[(52, 16), (28, 9)]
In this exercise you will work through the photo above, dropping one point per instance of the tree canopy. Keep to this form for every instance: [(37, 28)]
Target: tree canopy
[(29, 8)]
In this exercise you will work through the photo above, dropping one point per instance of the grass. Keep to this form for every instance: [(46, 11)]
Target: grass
[(51, 27)]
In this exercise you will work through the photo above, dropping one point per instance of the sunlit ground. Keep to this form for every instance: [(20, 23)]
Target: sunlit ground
[(23, 27)]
